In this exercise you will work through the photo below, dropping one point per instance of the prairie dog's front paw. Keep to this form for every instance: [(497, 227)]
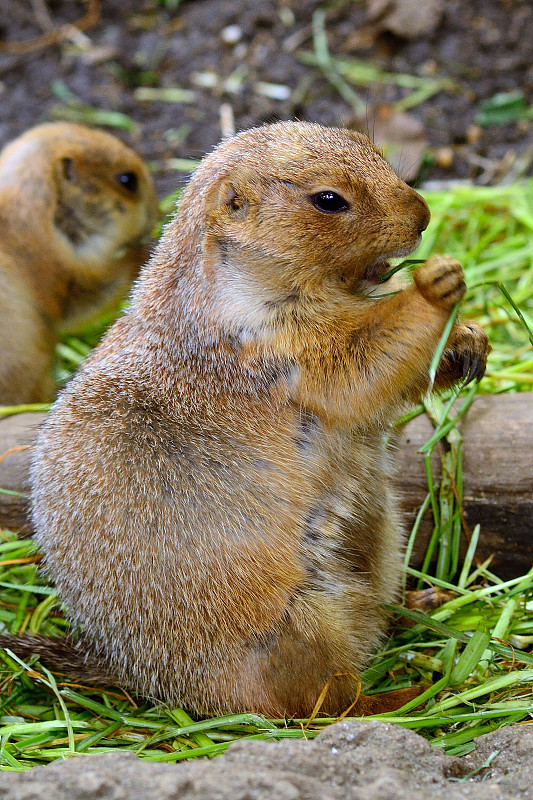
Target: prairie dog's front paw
[(441, 281), (465, 356), (469, 347)]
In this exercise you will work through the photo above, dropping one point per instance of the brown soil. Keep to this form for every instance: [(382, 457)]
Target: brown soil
[(483, 46)]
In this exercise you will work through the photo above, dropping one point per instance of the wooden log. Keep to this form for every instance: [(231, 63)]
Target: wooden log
[(17, 435), (498, 477)]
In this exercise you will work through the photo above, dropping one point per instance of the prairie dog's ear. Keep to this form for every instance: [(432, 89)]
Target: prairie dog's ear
[(233, 195), (67, 168), (232, 199), (65, 171), (229, 200)]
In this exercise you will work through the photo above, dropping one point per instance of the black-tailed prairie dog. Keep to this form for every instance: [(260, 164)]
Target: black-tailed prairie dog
[(212, 492), (76, 209)]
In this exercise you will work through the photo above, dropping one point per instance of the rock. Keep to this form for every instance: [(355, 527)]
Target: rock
[(400, 135), (510, 753), (409, 19), (365, 760)]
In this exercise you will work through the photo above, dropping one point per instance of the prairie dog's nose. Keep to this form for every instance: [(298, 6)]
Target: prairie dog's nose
[(425, 213), (415, 206)]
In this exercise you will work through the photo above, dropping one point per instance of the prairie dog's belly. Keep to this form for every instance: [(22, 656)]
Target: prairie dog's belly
[(350, 529)]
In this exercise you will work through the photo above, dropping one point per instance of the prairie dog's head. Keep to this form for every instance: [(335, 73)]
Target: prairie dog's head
[(85, 188), (296, 205)]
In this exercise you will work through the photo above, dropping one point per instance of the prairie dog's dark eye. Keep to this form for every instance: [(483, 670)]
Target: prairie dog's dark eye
[(329, 202), (129, 181)]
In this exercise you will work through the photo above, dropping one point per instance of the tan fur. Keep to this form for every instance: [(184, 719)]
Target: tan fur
[(72, 238), (212, 492)]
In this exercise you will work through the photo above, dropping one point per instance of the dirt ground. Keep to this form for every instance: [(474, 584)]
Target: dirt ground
[(349, 761), (225, 51)]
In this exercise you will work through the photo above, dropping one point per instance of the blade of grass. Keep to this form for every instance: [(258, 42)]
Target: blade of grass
[(469, 556), (324, 61), (470, 656)]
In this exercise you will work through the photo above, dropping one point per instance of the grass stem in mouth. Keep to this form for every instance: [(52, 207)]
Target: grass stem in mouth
[(409, 262)]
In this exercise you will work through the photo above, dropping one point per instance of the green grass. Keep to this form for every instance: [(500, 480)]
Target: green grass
[(472, 656), (490, 230)]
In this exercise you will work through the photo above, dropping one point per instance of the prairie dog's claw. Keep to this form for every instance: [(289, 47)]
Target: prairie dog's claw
[(465, 357)]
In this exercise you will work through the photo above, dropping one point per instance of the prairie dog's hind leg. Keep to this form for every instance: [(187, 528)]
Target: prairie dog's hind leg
[(282, 674)]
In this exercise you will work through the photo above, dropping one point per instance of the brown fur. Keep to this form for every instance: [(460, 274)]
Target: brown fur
[(71, 242), (212, 492)]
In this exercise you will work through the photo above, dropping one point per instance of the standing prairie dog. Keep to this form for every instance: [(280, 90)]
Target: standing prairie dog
[(212, 491), (76, 209)]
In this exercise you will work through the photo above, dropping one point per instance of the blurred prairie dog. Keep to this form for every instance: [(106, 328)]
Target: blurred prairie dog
[(212, 492), (76, 209)]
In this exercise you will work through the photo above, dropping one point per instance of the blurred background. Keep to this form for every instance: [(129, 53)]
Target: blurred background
[(444, 86)]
